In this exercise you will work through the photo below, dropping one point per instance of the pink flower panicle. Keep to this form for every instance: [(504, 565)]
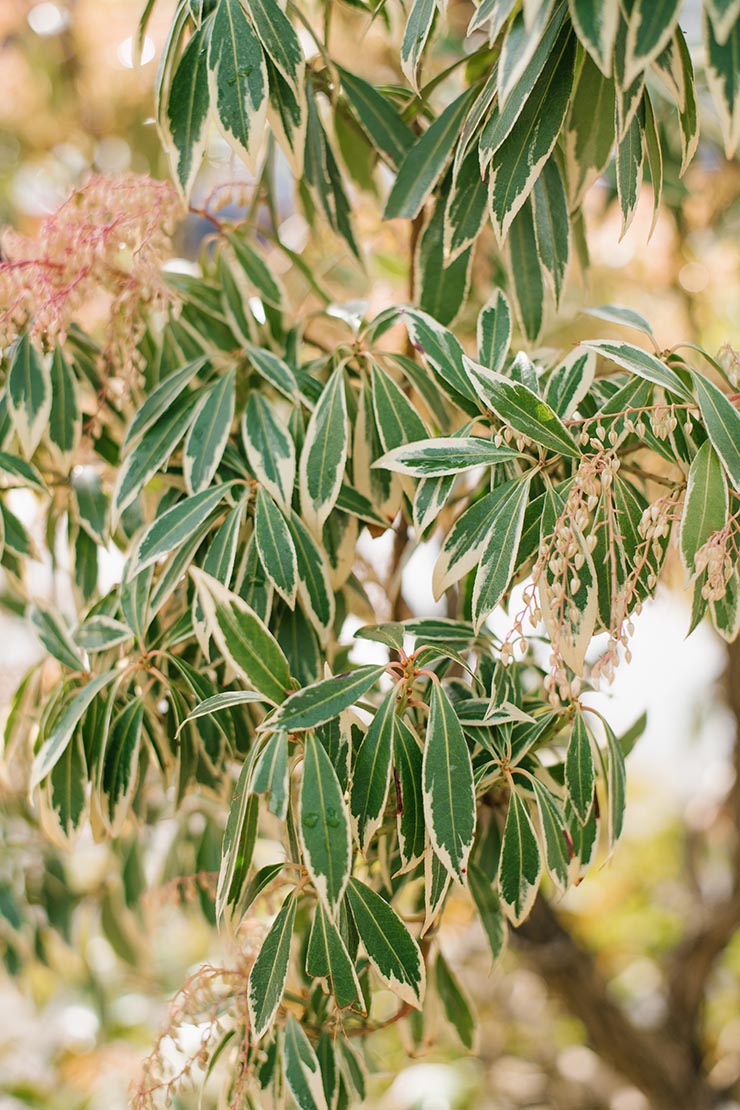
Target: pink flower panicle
[(110, 236)]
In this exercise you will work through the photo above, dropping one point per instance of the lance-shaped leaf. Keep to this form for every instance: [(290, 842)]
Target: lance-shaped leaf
[(426, 161), (322, 173), (101, 633), (237, 80), (488, 905), (23, 471), (465, 210), (417, 31), (527, 282), (56, 742), (64, 418), (596, 23), (226, 700), (66, 796), (187, 109), (29, 394), (468, 538), (243, 638), (258, 276), (372, 772), (449, 794), (327, 958), (324, 453), (55, 636), (275, 546), (629, 159), (175, 526), (287, 117), (442, 284), (209, 433), (396, 418), (519, 407), (270, 775), (274, 370), (520, 866), (499, 557), (279, 39), (390, 948), (434, 458), (238, 843), (270, 448), (302, 1068), (444, 354), (322, 701), (493, 332), (580, 776), (314, 585), (723, 14), (552, 823), (160, 399), (518, 162), (436, 885), (642, 363), (456, 1006), (152, 451), (407, 758), (324, 826), (270, 970), (724, 80), (378, 117), (588, 135), (706, 504), (120, 765), (722, 422), (552, 225), (650, 28)]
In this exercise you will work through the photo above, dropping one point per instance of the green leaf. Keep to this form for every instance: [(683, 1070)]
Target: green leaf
[(449, 795), (465, 209), (520, 866), (425, 162), (120, 765), (322, 701), (629, 159), (415, 36), (237, 81), (151, 452), (238, 843), (526, 272), (518, 162), (580, 777), (101, 633), (723, 14), (552, 225), (314, 586), (390, 948), (243, 638), (327, 958), (722, 422), (616, 782), (588, 136), (161, 399), (442, 284), (275, 546), (396, 418), (525, 412), (723, 77), (380, 120), (175, 526), (552, 822), (270, 970), (258, 276), (640, 362), (434, 458), (526, 48), (498, 560), (270, 448), (28, 390), (494, 332), (596, 23), (322, 173), (188, 107), (706, 504), (279, 40), (372, 772), (410, 818), (619, 314), (55, 636), (66, 794), (270, 775), (64, 418), (209, 433), (489, 910), (24, 471), (55, 744), (324, 453), (650, 29), (654, 153), (455, 1004), (302, 1069), (222, 701), (324, 826)]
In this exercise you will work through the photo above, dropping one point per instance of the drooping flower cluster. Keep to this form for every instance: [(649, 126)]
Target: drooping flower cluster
[(717, 557), (110, 236)]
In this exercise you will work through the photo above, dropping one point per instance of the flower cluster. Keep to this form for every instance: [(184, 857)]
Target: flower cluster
[(110, 237), (717, 557)]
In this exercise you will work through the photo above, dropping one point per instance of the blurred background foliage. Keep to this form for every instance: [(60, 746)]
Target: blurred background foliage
[(78, 1022)]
